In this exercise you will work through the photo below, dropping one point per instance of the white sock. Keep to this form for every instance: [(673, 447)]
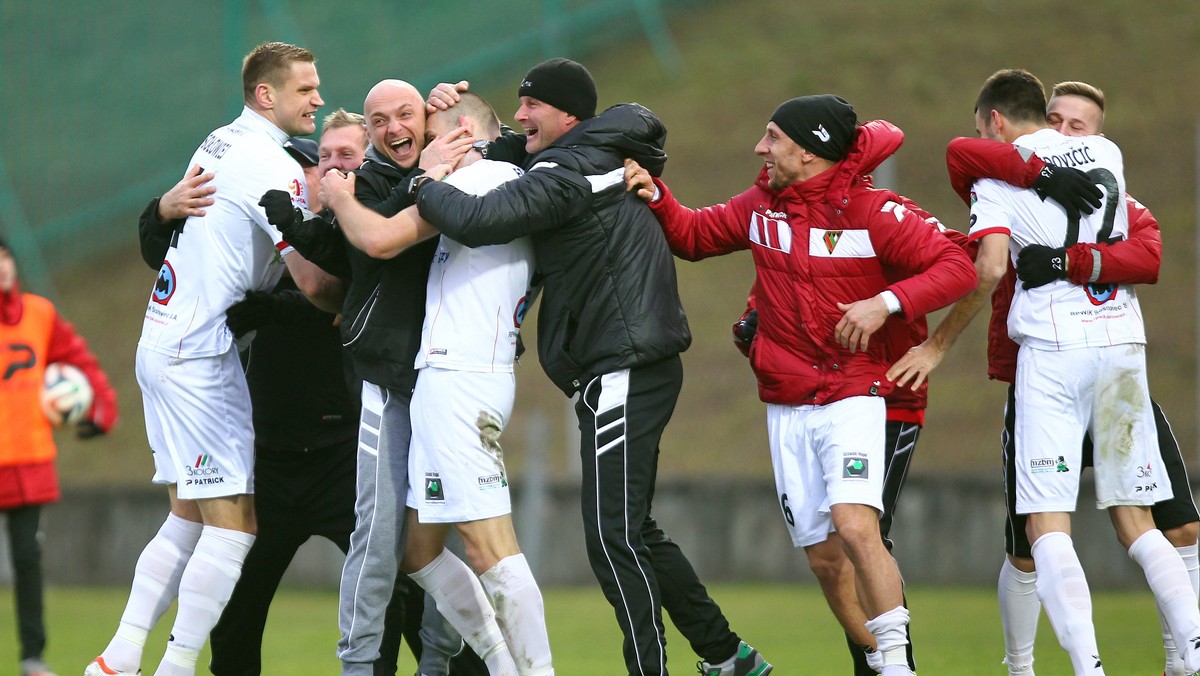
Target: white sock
[(1168, 579), (155, 586), (520, 614), (1019, 610), (1063, 590), (204, 589), (460, 598), (891, 639), (1191, 560)]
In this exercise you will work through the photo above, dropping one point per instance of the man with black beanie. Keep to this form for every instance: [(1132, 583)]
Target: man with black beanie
[(610, 328), (834, 258)]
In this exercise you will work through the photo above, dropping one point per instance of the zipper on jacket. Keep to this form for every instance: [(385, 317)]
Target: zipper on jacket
[(360, 320)]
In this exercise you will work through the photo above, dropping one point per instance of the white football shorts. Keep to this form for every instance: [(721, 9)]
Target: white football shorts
[(198, 423), (826, 455), (455, 463), (1058, 395)]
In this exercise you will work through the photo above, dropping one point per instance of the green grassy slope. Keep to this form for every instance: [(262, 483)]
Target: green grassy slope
[(918, 64)]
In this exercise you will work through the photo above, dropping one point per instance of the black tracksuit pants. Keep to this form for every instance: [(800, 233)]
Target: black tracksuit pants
[(622, 416)]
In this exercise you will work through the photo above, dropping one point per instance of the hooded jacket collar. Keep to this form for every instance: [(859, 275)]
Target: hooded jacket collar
[(626, 129)]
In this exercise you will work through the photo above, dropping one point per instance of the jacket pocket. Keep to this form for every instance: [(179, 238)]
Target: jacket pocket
[(358, 325)]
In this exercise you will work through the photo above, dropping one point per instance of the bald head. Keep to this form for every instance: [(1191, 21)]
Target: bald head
[(395, 113)]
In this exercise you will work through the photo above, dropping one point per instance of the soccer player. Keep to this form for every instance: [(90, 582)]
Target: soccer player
[(475, 301), (828, 252), (1074, 109), (194, 392), (1080, 368), (611, 328)]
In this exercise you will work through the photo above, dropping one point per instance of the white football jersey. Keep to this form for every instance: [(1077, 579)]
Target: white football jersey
[(1061, 315), (475, 300), (230, 250)]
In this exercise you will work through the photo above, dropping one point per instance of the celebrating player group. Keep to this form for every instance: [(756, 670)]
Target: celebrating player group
[(424, 229)]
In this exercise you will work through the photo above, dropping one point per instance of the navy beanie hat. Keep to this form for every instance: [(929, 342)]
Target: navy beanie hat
[(823, 124), (564, 84)]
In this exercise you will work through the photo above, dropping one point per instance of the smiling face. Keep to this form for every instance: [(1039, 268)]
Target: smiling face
[(395, 115), (296, 100), (783, 156), (542, 122)]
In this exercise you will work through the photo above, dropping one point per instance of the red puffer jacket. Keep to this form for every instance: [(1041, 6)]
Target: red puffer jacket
[(817, 243)]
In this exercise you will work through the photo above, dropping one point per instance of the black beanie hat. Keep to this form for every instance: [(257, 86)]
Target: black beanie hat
[(564, 84), (823, 124)]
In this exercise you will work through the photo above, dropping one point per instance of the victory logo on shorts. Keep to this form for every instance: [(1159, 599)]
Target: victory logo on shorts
[(435, 491), (854, 466)]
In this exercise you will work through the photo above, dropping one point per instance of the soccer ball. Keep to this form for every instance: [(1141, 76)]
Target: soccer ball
[(66, 392)]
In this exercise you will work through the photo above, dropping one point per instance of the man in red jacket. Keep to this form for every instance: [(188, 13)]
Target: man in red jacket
[(1074, 109), (824, 245), (32, 336)]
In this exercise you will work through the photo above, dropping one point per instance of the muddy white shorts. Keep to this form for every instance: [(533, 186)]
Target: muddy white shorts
[(455, 463)]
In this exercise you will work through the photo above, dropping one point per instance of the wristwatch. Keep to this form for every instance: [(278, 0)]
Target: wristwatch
[(482, 146), (415, 183)]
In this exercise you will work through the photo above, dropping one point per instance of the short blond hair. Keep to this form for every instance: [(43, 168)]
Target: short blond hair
[(1081, 89), (269, 63)]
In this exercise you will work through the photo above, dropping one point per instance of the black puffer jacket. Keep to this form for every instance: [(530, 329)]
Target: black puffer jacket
[(610, 297)]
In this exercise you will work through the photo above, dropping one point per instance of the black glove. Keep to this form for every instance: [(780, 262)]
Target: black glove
[(1038, 264), (256, 309), (1070, 187), (86, 429), (281, 213), (744, 330)]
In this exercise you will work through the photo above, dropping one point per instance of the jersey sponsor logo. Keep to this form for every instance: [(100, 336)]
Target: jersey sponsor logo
[(164, 286), (1042, 465), (491, 481), (821, 133), (202, 467), (520, 312), (1099, 294), (772, 233), (295, 187), (855, 466), (435, 490)]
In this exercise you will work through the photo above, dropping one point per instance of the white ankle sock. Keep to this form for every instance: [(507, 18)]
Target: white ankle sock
[(1019, 610), (155, 586), (1168, 579), (520, 614), (460, 598), (204, 589), (891, 639), (1063, 590)]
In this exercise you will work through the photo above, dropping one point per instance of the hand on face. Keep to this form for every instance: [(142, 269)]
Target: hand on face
[(446, 149), (335, 187)]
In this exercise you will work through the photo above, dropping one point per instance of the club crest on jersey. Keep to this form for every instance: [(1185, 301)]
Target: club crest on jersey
[(770, 230), (831, 239), (519, 314), (1099, 294), (164, 286)]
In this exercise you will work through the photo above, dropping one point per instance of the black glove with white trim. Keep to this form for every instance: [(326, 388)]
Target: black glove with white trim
[(1070, 187), (1038, 265)]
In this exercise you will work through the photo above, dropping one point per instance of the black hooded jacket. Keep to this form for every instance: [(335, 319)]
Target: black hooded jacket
[(610, 297)]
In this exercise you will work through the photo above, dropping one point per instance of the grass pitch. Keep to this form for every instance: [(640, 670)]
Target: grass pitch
[(956, 631)]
